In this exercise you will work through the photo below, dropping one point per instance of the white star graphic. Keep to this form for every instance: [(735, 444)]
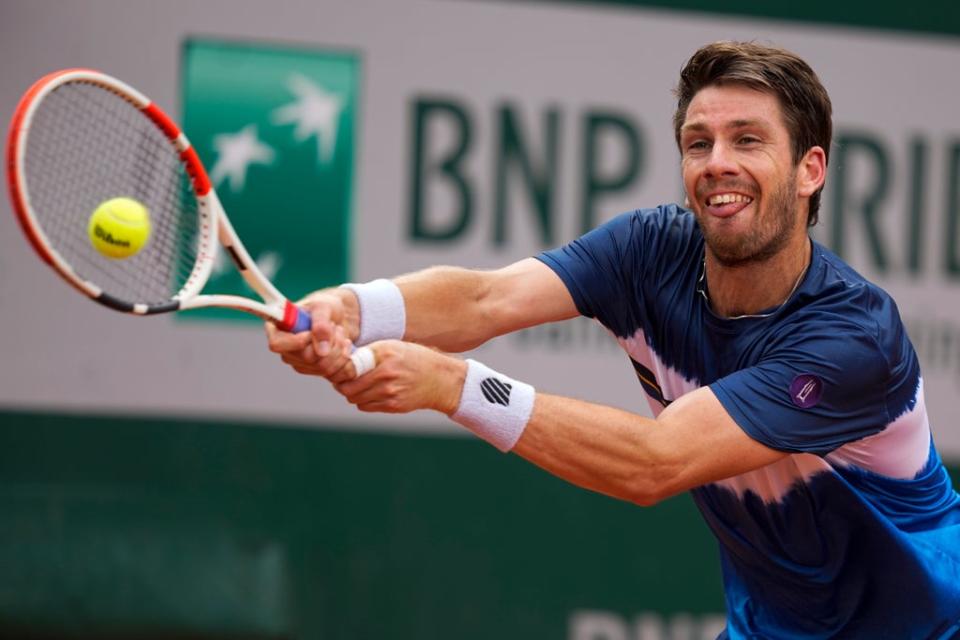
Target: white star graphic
[(269, 263), (316, 112), (235, 153), (221, 264)]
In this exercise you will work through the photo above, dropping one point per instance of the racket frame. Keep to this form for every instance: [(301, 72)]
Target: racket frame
[(213, 224)]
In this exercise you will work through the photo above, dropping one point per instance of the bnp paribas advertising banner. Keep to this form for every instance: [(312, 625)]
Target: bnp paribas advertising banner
[(477, 134), (449, 156)]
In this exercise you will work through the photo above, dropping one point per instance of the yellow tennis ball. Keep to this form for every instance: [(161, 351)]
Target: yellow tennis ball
[(119, 228)]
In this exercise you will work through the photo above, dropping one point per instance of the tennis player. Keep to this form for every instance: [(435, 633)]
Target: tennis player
[(788, 398)]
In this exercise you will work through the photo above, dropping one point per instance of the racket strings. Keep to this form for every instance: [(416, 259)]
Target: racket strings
[(87, 145)]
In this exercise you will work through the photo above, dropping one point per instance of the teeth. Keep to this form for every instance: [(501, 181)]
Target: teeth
[(727, 198)]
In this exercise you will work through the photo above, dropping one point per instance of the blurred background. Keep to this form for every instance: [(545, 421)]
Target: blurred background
[(167, 477)]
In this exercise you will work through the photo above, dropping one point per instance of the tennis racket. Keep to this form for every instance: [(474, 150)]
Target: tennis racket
[(80, 137)]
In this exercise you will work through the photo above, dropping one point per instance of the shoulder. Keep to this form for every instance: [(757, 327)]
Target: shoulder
[(665, 230), (850, 324), (835, 294), (630, 240), (609, 270), (670, 220), (665, 218)]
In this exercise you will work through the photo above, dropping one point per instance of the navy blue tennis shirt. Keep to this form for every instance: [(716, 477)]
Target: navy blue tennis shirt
[(856, 533)]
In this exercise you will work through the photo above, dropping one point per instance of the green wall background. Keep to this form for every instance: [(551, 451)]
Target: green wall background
[(932, 17), (120, 527)]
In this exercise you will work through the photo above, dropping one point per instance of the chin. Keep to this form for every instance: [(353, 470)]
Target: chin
[(738, 254)]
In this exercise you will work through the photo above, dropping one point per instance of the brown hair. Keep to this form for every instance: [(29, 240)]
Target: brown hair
[(804, 101)]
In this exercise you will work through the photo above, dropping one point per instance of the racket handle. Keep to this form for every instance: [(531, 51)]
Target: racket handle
[(295, 319)]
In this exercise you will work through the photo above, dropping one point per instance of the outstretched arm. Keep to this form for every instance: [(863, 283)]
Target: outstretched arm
[(449, 308), (643, 460), (693, 442)]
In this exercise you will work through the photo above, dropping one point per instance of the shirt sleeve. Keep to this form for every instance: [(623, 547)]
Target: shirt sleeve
[(592, 266), (607, 269), (816, 390)]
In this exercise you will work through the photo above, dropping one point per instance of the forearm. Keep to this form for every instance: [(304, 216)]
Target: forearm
[(595, 447), (598, 448), (448, 308), (456, 309)]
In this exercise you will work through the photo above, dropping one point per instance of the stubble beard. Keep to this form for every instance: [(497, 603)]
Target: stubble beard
[(765, 239)]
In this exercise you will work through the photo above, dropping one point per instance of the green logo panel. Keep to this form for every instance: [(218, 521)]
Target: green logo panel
[(275, 128)]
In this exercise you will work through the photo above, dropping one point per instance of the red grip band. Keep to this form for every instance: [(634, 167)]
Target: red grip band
[(290, 313)]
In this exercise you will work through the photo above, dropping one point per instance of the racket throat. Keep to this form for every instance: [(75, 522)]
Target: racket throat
[(240, 264)]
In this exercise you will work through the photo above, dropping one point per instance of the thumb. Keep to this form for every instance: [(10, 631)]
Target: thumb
[(325, 321)]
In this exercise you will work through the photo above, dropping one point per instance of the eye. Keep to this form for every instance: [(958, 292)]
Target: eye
[(698, 145), (747, 140)]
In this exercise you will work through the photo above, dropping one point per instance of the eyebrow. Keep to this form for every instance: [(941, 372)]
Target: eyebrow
[(743, 124), (733, 124)]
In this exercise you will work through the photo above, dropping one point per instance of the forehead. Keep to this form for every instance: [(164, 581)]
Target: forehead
[(720, 106)]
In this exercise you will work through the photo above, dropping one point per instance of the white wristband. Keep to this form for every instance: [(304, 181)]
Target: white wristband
[(382, 312), (494, 406)]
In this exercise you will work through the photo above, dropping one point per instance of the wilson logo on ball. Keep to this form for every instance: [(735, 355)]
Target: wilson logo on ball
[(107, 237)]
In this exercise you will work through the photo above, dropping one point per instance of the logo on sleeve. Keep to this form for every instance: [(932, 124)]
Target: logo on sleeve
[(805, 390), (496, 391)]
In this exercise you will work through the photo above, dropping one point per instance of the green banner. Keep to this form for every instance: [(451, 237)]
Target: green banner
[(160, 528), (939, 16), (275, 128)]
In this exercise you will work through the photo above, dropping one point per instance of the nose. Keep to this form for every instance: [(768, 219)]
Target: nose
[(720, 162)]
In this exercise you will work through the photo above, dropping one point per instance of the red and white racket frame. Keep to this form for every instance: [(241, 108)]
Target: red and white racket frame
[(213, 224)]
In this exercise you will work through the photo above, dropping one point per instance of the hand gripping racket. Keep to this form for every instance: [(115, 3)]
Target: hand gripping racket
[(79, 138)]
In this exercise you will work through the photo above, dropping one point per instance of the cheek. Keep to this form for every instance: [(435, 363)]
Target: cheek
[(689, 178)]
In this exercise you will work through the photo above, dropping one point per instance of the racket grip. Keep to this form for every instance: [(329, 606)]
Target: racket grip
[(295, 319), (303, 322)]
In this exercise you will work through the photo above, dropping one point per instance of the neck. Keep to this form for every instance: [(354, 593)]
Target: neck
[(754, 287)]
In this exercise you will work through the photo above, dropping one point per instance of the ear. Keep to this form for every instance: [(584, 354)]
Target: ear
[(811, 172)]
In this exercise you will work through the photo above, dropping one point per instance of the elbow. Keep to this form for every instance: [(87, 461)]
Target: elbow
[(658, 471), (652, 486), (646, 496), (491, 312)]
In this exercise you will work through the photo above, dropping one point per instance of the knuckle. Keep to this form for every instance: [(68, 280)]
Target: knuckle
[(328, 372)]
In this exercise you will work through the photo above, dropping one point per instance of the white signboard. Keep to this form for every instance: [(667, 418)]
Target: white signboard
[(553, 117)]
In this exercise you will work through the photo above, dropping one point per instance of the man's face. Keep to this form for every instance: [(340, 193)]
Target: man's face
[(739, 173)]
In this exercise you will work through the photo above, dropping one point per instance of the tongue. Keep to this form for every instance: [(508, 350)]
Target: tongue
[(727, 209)]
